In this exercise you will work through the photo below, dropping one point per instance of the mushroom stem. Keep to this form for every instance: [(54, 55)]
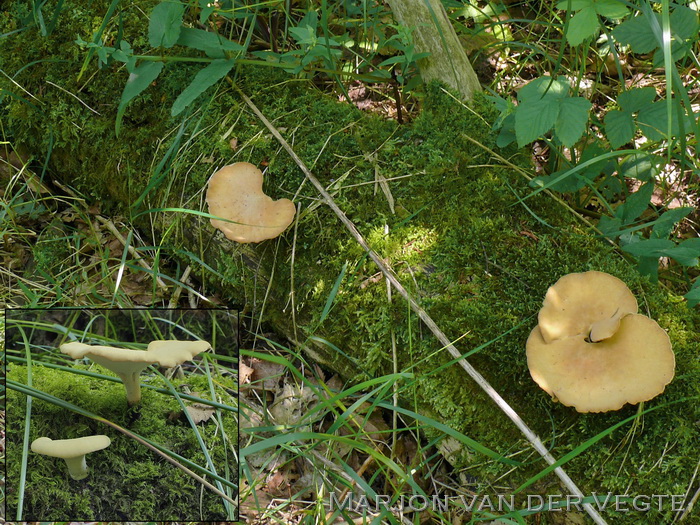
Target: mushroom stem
[(77, 467), (132, 386)]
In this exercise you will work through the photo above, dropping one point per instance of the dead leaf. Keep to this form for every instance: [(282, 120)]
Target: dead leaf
[(199, 412), (244, 373)]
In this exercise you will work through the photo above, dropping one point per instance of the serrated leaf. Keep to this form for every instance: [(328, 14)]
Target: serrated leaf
[(583, 25), (139, 80), (614, 9), (619, 127), (203, 80), (533, 119), (636, 33), (636, 203), (212, 44), (571, 120), (165, 24), (635, 99), (684, 22), (544, 88), (653, 121)]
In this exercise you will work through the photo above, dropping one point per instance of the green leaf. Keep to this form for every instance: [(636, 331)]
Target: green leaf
[(165, 24), (583, 25), (576, 5), (635, 99), (213, 44), (652, 121), (619, 127), (533, 119), (684, 22), (139, 80), (571, 121), (685, 255), (544, 88), (614, 9), (641, 166), (334, 292), (636, 33), (649, 266), (664, 224), (650, 248), (635, 204), (693, 296), (203, 80)]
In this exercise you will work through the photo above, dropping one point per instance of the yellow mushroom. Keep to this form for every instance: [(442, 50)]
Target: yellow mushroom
[(235, 195), (598, 353), (128, 364), (72, 451)]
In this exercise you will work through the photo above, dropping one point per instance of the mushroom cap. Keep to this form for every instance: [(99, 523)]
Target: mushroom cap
[(590, 302), (172, 352), (235, 193), (166, 353), (69, 448), (633, 365)]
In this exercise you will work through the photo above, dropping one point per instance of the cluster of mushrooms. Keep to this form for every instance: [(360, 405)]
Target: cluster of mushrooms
[(127, 364), (591, 349)]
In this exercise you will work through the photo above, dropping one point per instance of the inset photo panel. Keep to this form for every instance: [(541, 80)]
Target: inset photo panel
[(121, 415)]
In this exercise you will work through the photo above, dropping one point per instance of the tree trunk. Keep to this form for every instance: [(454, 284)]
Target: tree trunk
[(433, 33)]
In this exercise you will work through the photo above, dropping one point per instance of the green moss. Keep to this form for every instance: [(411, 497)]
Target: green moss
[(127, 481)]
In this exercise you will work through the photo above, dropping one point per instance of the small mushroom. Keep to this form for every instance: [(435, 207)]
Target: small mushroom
[(598, 354), (128, 364), (235, 193), (72, 451)]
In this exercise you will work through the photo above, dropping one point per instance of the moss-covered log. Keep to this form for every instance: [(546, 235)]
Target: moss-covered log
[(477, 258)]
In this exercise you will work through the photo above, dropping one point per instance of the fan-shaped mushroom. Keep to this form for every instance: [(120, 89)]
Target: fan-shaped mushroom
[(235, 194), (592, 351), (72, 451), (128, 364)]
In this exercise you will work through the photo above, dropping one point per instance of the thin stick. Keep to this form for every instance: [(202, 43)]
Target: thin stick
[(391, 277)]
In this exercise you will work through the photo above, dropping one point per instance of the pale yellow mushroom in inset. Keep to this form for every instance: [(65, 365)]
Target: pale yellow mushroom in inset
[(128, 364), (72, 451), (235, 193), (592, 350)]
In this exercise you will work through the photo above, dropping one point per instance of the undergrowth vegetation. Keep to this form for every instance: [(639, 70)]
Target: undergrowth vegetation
[(581, 154)]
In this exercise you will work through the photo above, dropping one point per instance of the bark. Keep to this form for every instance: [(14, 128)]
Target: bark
[(433, 33)]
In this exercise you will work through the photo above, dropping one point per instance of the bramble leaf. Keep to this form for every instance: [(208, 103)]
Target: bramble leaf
[(583, 25), (619, 127), (571, 120)]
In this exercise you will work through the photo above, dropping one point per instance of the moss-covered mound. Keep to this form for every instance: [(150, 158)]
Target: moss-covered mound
[(463, 243)]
